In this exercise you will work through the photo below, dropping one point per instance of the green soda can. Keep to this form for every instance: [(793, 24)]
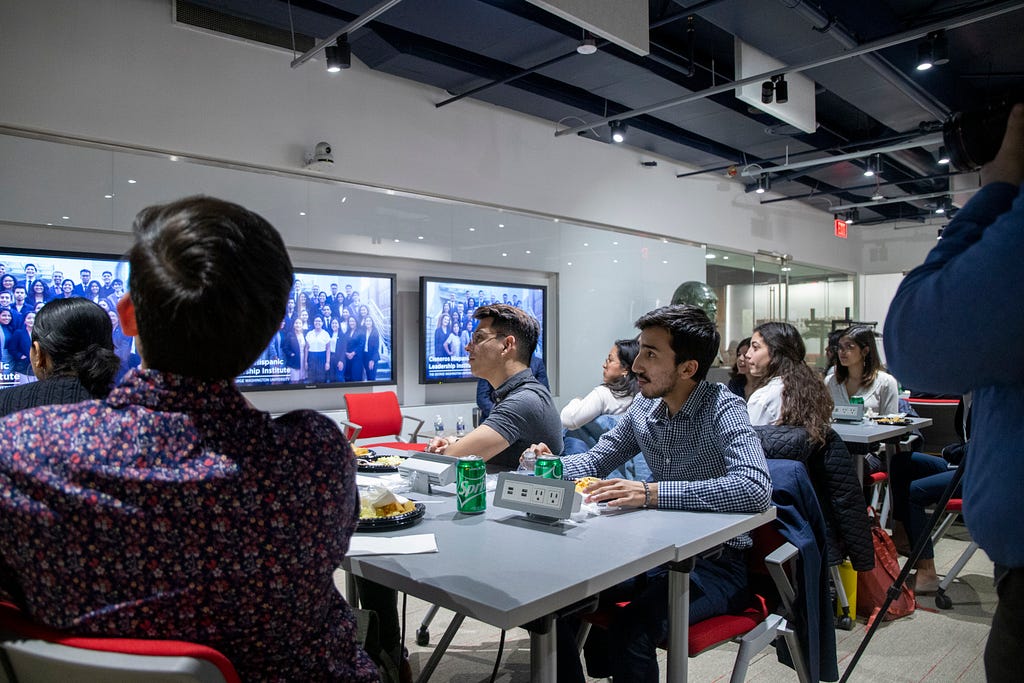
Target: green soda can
[(471, 485), (548, 466)]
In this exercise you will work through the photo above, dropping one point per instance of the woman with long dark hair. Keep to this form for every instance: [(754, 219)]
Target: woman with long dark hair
[(368, 343), (614, 394), (791, 392), (20, 347), (858, 372), (38, 294), (441, 332), (72, 355)]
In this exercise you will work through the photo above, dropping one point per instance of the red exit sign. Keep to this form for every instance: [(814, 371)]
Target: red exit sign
[(841, 227)]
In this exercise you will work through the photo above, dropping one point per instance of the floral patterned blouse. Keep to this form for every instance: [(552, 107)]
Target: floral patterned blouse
[(174, 509)]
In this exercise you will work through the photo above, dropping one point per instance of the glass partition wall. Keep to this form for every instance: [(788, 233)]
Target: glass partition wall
[(756, 288)]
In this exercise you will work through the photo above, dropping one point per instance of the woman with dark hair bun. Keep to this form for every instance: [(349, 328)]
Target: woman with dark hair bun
[(741, 382), (615, 393), (72, 355), (791, 393)]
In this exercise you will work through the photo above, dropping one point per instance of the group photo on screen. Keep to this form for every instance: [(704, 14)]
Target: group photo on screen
[(337, 328), (448, 308), (29, 280)]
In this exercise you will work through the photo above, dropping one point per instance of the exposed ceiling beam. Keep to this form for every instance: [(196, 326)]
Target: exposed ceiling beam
[(357, 23), (873, 46)]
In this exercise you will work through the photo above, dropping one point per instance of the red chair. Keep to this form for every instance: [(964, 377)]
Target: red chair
[(377, 414), (773, 564), (32, 653)]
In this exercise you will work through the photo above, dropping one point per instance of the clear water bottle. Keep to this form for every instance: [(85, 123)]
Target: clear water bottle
[(460, 427), (527, 462), (438, 426)]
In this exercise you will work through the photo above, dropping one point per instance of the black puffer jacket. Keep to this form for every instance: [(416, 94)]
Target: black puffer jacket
[(835, 481)]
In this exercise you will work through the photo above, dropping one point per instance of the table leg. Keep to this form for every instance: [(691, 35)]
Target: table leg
[(544, 652), (441, 648), (678, 621)]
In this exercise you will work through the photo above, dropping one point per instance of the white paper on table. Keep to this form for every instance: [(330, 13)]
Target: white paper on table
[(392, 545)]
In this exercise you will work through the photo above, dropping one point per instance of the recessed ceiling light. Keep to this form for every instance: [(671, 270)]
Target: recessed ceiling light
[(615, 260), (663, 261), (67, 218), (556, 220), (389, 191), (302, 213), (397, 240), (528, 251), (709, 256), (504, 253), (501, 225), (419, 237), (615, 244), (586, 244), (108, 196), (569, 263), (725, 258), (49, 223), (344, 199), (173, 158), (131, 181), (472, 229), (664, 241)]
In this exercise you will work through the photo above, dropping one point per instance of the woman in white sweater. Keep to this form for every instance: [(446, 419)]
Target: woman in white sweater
[(615, 393), (858, 373)]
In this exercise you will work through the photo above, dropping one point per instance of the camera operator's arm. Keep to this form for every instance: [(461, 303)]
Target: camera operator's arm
[(953, 317)]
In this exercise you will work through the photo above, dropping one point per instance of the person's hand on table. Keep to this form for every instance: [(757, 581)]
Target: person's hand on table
[(622, 493), (439, 444)]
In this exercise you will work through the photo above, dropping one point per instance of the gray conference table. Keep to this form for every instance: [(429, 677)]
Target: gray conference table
[(869, 432), (509, 571)]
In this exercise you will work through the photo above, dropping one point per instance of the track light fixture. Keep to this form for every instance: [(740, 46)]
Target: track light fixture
[(339, 55), (764, 184), (587, 46), (943, 156), (776, 88), (781, 89), (871, 166), (932, 51), (945, 204), (618, 131), (852, 216)]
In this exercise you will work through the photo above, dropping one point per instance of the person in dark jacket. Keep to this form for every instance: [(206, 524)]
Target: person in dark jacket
[(72, 354)]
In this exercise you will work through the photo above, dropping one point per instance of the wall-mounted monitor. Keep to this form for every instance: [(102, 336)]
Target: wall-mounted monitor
[(348, 342), (447, 323), (347, 322), (29, 279)]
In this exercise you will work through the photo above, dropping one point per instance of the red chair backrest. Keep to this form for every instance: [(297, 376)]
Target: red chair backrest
[(377, 413), (13, 621)]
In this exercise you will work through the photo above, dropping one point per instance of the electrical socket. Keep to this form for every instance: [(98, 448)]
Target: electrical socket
[(550, 498)]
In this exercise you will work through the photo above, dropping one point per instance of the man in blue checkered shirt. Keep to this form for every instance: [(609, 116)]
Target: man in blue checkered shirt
[(704, 455)]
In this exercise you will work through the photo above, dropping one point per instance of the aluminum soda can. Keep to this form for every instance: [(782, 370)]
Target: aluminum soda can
[(471, 484), (548, 466)]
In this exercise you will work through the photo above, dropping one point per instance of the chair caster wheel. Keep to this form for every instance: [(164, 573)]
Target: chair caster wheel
[(943, 601), (422, 637), (845, 623)]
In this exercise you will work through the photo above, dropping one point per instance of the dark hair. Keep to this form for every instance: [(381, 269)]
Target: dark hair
[(208, 281), (626, 385), (76, 334), (509, 320), (735, 368), (806, 402), (864, 337), (694, 335)]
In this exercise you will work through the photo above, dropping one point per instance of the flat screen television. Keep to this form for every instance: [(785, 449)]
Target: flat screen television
[(447, 323), (366, 358)]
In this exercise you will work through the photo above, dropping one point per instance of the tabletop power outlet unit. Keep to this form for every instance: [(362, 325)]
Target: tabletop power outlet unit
[(848, 413), (540, 498), (424, 470)]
